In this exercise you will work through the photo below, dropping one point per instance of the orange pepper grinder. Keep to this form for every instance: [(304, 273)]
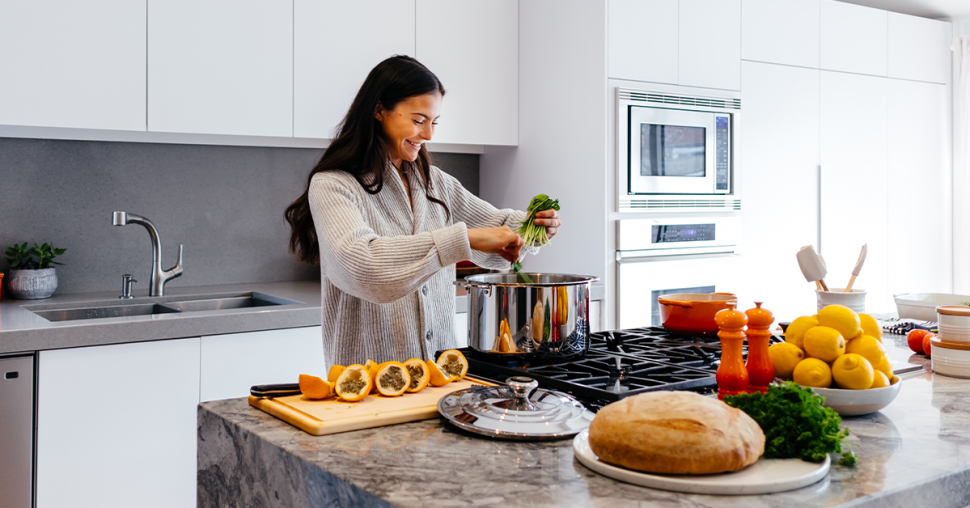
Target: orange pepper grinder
[(732, 375), (760, 371)]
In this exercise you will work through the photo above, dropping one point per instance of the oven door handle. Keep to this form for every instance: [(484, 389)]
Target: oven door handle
[(638, 256)]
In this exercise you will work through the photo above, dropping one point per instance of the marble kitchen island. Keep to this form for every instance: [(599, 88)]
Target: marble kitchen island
[(916, 452)]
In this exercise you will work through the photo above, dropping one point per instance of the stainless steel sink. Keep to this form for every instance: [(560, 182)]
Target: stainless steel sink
[(141, 309), (170, 305)]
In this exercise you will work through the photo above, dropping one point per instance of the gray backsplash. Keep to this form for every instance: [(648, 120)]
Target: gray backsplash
[(224, 203)]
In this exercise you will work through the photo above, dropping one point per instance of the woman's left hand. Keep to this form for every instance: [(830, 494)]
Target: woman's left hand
[(550, 219)]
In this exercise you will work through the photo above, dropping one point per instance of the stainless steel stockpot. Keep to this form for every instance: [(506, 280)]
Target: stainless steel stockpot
[(528, 314)]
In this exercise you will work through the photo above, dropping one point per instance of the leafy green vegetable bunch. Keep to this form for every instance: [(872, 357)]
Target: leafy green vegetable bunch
[(795, 423), (22, 258), (531, 234)]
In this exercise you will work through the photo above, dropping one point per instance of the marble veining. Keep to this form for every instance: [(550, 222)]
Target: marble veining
[(916, 452)]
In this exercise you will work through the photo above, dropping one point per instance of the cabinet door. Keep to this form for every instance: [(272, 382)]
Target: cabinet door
[(780, 181), (234, 362), (73, 64), (854, 192), (220, 67), (853, 38), (780, 31), (473, 48), (710, 43), (919, 48), (117, 425), (920, 220), (335, 45), (642, 43)]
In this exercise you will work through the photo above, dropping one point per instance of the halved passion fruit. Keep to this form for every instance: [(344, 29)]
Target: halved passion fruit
[(335, 372), (372, 367), (392, 379), (314, 387), (354, 383), (418, 370), (438, 376), (454, 364)]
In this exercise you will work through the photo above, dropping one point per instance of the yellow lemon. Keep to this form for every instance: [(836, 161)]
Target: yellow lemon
[(870, 326), (784, 357), (884, 366), (795, 332), (842, 318), (853, 372), (868, 347), (880, 380), (824, 343), (813, 372)]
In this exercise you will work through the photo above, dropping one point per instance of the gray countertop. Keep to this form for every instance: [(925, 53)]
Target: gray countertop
[(22, 331), (916, 452)]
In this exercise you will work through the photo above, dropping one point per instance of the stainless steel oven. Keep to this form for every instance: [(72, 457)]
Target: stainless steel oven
[(672, 146), (673, 255)]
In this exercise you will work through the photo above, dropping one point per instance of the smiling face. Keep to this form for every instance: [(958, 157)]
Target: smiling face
[(409, 125)]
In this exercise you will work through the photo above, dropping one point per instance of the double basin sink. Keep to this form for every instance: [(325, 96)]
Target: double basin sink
[(171, 305)]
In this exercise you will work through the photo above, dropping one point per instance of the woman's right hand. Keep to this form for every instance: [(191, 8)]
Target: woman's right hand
[(501, 240)]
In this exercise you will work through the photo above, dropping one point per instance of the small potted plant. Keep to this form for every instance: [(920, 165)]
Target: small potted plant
[(31, 275)]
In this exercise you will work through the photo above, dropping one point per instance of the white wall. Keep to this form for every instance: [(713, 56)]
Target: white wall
[(562, 132)]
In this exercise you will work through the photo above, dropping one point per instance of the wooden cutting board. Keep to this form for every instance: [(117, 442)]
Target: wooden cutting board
[(330, 416)]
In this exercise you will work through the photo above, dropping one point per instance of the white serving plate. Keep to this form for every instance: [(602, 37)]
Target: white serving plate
[(763, 477), (923, 305)]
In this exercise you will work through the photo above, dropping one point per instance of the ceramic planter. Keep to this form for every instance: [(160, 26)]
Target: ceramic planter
[(32, 284)]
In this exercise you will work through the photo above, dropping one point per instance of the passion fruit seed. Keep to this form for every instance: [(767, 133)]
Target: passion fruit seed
[(394, 378), (452, 367), (352, 386), (416, 371)]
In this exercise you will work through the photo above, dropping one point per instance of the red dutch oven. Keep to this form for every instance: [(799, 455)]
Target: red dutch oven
[(693, 313)]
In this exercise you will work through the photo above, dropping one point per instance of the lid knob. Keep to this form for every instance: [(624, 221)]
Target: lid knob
[(522, 387)]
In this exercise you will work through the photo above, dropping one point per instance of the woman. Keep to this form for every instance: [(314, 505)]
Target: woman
[(387, 227)]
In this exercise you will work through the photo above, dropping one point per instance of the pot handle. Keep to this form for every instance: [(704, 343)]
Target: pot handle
[(664, 301), (465, 284), (726, 294)]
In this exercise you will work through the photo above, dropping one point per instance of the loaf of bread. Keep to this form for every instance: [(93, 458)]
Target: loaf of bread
[(675, 433)]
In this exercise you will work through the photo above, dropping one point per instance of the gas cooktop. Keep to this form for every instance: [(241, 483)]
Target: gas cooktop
[(620, 363)]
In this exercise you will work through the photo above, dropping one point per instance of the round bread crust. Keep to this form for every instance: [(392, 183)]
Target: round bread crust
[(675, 433)]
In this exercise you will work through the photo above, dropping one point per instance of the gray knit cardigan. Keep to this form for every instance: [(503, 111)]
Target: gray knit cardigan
[(387, 269)]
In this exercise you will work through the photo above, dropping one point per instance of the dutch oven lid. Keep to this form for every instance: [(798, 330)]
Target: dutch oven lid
[(520, 410), (530, 279)]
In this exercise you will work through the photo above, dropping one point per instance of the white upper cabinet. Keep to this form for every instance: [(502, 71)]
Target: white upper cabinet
[(473, 48), (73, 64), (853, 38), (919, 188), (642, 40), (919, 48), (780, 31), (220, 67), (710, 43), (336, 43), (234, 362)]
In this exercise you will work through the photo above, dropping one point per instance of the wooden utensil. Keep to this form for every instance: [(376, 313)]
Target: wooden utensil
[(857, 269), (813, 268)]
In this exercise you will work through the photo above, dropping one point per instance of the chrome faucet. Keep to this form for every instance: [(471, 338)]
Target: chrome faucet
[(159, 276)]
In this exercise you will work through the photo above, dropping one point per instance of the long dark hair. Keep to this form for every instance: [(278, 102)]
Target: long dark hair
[(361, 148)]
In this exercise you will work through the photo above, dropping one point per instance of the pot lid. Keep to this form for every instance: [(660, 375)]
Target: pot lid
[(520, 410)]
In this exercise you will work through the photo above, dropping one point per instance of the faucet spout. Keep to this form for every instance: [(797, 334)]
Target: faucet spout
[(159, 277)]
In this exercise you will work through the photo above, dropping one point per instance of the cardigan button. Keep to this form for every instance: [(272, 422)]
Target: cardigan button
[(424, 290), (427, 336)]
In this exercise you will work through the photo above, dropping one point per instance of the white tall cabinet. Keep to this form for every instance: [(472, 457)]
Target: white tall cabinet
[(73, 64), (220, 67), (117, 425), (335, 44)]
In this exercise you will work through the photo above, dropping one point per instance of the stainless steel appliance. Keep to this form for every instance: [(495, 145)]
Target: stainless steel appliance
[(655, 257), (16, 431), (676, 152), (528, 314)]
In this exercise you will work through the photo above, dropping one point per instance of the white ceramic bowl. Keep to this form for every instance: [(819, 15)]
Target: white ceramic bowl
[(923, 306), (859, 402), (855, 300), (950, 362)]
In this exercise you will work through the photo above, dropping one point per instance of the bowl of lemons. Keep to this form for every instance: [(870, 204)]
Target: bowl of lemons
[(839, 353)]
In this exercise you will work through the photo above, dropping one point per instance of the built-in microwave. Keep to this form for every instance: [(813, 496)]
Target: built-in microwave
[(676, 151)]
